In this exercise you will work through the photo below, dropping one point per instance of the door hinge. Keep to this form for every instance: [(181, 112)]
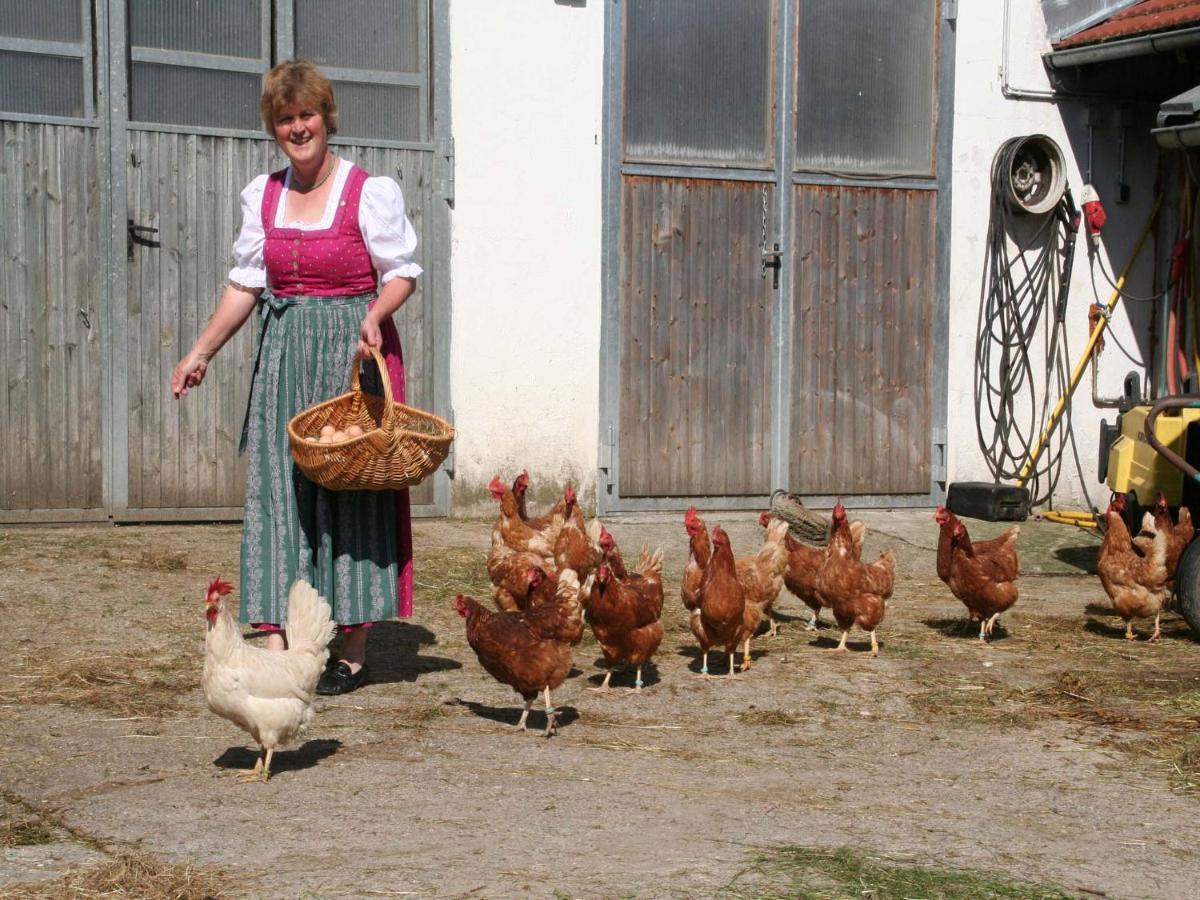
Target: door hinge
[(607, 452), (446, 151), (950, 10), (939, 455)]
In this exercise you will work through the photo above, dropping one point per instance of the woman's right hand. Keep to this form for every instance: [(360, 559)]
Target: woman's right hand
[(189, 372)]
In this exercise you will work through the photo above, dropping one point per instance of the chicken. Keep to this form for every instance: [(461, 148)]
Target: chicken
[(761, 577), (529, 651), (519, 580), (268, 693), (624, 609), (805, 561), (1136, 584), (1178, 535), (983, 575), (718, 618), (856, 591), (573, 548), (699, 550), (514, 534), (520, 485)]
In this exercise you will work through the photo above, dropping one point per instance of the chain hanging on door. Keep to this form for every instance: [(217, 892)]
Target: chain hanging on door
[(770, 258)]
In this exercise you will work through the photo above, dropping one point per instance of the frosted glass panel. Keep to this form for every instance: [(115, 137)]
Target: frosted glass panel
[(42, 20), (41, 85), (222, 27), (382, 111), (865, 86), (698, 81), (381, 35), (179, 95)]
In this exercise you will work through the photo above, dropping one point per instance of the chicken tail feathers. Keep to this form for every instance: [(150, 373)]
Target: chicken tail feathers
[(309, 618), (650, 563)]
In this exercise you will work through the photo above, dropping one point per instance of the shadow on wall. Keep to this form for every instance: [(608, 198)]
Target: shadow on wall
[(1113, 148)]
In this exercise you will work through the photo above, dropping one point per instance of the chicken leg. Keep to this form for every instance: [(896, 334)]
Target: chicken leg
[(815, 622), (638, 684), (874, 644), (841, 647), (774, 632), (1157, 629), (745, 655), (520, 726), (245, 776), (551, 716), (1129, 634), (604, 686), (730, 676)]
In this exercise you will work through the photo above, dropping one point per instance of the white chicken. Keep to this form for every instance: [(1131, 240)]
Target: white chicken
[(268, 693)]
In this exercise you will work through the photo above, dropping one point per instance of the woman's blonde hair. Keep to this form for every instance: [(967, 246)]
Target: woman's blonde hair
[(297, 81)]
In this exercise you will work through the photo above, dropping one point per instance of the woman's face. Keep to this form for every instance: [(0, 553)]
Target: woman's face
[(300, 132)]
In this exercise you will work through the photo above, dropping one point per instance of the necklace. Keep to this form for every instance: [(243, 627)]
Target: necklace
[(308, 188)]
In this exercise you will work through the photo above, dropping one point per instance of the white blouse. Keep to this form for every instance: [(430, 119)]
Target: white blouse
[(390, 238)]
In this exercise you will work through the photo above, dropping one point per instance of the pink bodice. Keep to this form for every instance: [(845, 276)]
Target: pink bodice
[(326, 262)]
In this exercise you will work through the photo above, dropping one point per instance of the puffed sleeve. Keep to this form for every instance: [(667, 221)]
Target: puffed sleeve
[(249, 270), (390, 238)]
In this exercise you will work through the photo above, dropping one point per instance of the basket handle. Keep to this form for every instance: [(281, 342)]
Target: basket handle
[(389, 412)]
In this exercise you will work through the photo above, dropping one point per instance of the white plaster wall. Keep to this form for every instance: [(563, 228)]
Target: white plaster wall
[(527, 86), (983, 120), (527, 80)]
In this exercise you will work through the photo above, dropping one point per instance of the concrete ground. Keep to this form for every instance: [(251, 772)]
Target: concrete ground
[(1060, 759)]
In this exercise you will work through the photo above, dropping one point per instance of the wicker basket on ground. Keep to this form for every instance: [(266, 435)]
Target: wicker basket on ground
[(400, 445)]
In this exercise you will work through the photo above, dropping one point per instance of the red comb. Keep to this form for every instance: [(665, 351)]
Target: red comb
[(690, 515), (219, 588)]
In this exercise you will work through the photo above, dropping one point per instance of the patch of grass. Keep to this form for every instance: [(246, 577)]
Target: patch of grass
[(958, 700), (792, 871), (125, 684), (26, 833), (1181, 759), (773, 717), (130, 874)]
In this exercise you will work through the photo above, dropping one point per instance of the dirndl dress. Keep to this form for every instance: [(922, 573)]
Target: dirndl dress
[(354, 547)]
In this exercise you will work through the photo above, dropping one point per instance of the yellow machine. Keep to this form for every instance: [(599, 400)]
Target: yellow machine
[(1133, 465)]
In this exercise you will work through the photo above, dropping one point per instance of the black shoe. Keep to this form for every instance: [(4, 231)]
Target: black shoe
[(340, 680)]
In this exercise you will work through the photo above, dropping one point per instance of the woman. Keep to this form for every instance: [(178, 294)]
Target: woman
[(316, 239)]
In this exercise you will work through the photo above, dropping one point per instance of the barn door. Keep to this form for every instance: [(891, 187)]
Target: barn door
[(187, 137), (690, 335), (53, 233), (773, 291)]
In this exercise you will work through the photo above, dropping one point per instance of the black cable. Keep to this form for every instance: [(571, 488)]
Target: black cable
[(1023, 290)]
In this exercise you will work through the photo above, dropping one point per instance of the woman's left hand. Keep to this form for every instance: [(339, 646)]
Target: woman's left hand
[(369, 336)]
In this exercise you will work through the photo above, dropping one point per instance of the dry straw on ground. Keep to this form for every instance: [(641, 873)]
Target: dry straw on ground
[(129, 875)]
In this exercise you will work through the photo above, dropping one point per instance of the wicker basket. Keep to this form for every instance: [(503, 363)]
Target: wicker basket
[(400, 446)]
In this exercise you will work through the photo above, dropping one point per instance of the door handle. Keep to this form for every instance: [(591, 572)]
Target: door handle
[(772, 259), (139, 234)]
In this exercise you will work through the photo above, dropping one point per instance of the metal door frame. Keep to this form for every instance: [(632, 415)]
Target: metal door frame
[(609, 499), (113, 55)]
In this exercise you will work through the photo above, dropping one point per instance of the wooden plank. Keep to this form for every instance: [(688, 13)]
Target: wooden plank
[(693, 318), (873, 376), (35, 446)]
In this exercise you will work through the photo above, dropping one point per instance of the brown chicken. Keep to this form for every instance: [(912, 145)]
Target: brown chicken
[(717, 620), (857, 592), (624, 609), (1178, 535), (520, 580), (574, 548), (761, 577), (805, 561), (519, 487), (1136, 584), (699, 550), (529, 651), (983, 575), (511, 531)]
